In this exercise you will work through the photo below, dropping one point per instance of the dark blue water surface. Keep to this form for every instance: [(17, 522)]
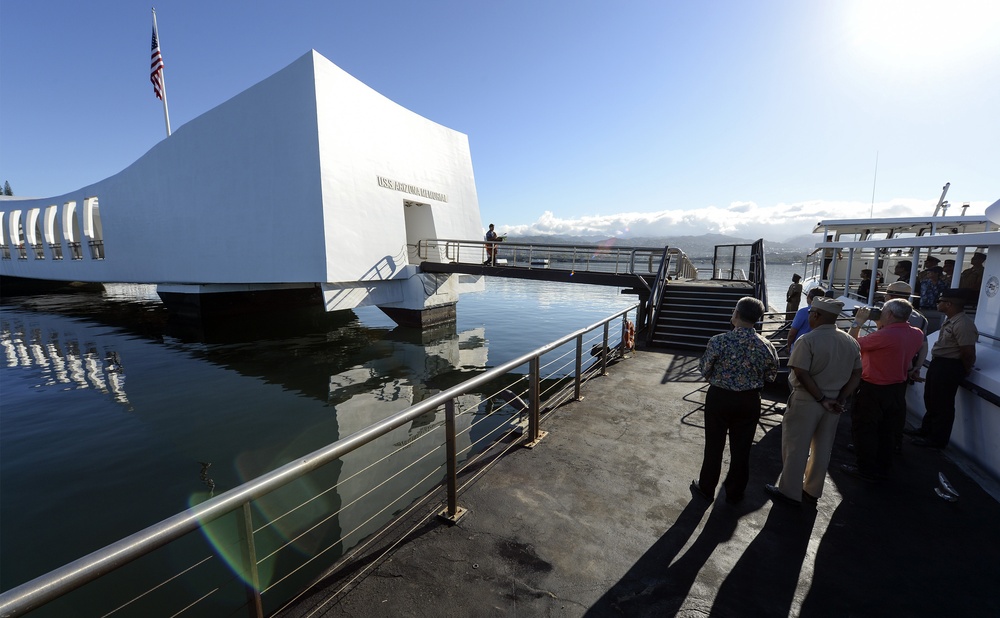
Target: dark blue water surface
[(110, 409)]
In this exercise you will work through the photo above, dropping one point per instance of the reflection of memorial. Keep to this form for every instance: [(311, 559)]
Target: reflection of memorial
[(244, 399), (416, 447), (61, 359)]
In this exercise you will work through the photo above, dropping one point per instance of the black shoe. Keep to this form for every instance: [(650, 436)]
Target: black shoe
[(850, 446), (927, 443), (697, 490), (809, 498), (911, 431), (857, 472), (777, 496)]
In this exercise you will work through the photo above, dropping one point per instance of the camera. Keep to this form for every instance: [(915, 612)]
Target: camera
[(874, 314)]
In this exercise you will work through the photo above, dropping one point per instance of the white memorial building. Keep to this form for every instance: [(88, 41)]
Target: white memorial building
[(308, 185)]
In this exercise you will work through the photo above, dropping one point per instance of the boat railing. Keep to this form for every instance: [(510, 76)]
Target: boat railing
[(618, 259), (258, 547)]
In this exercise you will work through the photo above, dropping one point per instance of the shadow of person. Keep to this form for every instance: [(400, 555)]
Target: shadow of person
[(649, 585), (768, 571), (894, 548), (657, 584)]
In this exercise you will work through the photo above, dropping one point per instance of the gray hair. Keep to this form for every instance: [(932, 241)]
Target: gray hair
[(899, 308), (750, 309)]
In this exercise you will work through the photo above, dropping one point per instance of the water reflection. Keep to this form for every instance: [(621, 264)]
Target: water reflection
[(205, 407), (61, 360)]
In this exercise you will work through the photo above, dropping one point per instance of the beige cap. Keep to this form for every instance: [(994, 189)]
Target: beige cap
[(899, 287), (828, 305)]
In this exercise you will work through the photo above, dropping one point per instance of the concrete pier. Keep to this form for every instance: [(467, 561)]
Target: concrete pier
[(599, 520)]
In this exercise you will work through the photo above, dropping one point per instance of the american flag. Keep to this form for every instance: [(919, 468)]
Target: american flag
[(156, 67)]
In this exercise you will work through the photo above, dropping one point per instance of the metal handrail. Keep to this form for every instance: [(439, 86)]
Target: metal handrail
[(65, 579), (624, 259), (657, 294)]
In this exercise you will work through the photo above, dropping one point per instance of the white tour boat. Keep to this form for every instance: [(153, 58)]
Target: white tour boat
[(881, 245)]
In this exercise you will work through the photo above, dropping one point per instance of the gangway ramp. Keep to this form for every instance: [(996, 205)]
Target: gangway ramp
[(609, 265)]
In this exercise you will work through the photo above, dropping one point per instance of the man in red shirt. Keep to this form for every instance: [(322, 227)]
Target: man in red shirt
[(887, 357)]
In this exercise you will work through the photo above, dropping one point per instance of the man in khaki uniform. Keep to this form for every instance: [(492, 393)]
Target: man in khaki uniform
[(952, 358), (826, 369)]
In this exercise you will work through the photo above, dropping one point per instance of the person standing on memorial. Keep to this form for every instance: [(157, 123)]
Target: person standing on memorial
[(736, 364), (825, 370), (492, 238)]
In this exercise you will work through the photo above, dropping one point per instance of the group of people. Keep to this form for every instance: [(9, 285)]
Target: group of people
[(937, 277), (832, 371)]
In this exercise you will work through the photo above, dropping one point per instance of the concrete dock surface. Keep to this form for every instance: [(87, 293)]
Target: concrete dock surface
[(599, 520)]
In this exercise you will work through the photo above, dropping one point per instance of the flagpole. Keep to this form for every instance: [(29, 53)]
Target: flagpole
[(163, 82)]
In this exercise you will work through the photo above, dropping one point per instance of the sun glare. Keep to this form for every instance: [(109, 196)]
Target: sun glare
[(920, 34)]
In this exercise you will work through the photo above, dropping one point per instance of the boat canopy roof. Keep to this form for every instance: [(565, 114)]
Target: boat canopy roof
[(894, 227), (982, 239)]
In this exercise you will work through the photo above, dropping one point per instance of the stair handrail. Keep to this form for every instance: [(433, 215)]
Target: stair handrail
[(659, 285), (758, 270)]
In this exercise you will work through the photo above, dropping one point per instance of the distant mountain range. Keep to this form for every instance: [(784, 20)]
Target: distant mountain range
[(696, 247)]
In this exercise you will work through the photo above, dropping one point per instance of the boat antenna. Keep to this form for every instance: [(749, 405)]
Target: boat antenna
[(871, 214), (944, 192)]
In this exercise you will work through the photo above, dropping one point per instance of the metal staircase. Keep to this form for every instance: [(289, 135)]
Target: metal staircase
[(690, 313)]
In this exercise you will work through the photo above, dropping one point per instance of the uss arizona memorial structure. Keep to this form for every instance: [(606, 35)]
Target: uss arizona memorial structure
[(307, 184)]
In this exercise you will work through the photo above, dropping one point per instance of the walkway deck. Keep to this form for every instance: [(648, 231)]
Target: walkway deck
[(564, 275), (598, 520)]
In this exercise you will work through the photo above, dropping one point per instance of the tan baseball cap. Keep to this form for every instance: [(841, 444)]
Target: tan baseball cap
[(828, 305)]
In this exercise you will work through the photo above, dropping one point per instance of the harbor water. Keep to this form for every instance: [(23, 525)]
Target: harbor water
[(114, 417)]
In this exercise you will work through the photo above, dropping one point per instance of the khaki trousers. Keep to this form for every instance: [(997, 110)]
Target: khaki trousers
[(807, 434)]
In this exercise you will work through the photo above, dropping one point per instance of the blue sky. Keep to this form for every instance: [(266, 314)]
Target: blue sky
[(616, 118)]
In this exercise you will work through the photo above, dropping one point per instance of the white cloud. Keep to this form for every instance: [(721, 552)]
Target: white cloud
[(740, 219)]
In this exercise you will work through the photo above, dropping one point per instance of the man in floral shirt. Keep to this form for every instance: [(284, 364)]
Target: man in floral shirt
[(736, 364)]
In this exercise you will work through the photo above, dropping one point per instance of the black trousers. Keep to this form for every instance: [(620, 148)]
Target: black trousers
[(876, 412), (944, 376), (732, 413)]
